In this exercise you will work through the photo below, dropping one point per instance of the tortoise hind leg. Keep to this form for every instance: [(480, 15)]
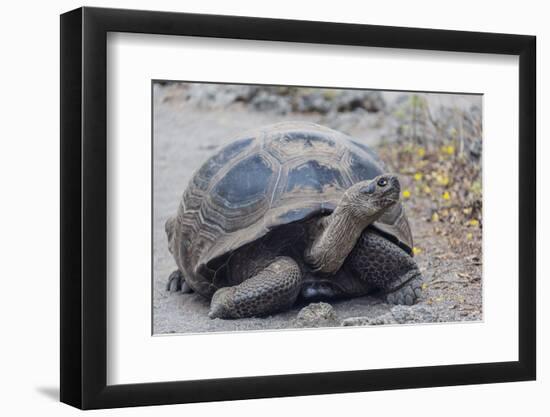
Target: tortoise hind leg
[(176, 282), (274, 288), (387, 268)]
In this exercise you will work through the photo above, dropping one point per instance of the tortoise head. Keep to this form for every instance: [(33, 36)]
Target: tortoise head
[(361, 205), (369, 199)]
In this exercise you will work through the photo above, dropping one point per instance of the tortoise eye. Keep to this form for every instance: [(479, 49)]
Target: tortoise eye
[(382, 182)]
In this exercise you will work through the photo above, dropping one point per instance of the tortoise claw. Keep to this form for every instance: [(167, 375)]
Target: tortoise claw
[(176, 282)]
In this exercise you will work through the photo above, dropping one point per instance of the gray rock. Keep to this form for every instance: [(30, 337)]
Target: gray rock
[(266, 101), (218, 96), (317, 315), (349, 100), (276, 99), (413, 314), (312, 102), (383, 319)]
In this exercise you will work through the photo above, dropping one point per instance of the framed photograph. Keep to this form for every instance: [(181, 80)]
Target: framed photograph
[(258, 208)]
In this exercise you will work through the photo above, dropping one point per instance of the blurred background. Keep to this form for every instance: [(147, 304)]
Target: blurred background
[(433, 140)]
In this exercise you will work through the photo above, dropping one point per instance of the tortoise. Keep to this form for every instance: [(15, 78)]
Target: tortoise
[(291, 211)]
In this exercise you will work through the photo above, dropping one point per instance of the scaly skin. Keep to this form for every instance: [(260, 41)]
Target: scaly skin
[(386, 267), (274, 288)]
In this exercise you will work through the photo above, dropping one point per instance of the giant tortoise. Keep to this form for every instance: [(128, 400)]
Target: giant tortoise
[(291, 210)]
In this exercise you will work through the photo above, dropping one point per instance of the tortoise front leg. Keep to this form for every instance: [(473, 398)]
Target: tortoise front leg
[(386, 267), (274, 288)]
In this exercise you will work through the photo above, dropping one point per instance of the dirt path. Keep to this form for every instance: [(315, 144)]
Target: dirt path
[(184, 137)]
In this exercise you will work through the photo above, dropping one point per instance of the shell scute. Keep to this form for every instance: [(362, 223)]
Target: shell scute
[(314, 175), (245, 183), (213, 164)]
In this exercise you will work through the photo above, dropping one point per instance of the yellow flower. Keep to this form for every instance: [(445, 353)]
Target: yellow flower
[(406, 194), (421, 152), (450, 150), (474, 222), (416, 250), (418, 176), (446, 196), (469, 236), (442, 179)]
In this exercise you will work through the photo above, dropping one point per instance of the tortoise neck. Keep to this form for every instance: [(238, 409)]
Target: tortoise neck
[(336, 237)]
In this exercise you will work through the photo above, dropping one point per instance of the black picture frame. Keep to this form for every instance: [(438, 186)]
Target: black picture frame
[(84, 207)]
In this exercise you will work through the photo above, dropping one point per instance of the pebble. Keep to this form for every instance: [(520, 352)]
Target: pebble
[(317, 315)]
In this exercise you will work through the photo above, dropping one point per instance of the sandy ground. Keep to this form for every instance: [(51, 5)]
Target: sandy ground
[(185, 136)]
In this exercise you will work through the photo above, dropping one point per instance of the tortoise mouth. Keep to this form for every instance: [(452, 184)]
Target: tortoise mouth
[(389, 201), (391, 196)]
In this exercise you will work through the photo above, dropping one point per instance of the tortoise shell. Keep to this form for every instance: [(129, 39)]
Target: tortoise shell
[(283, 173)]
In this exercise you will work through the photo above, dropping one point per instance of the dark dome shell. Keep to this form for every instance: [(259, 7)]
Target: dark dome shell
[(277, 175)]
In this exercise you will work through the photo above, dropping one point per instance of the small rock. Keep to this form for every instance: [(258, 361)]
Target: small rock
[(312, 102), (369, 321), (265, 101), (350, 100), (413, 314), (317, 315)]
